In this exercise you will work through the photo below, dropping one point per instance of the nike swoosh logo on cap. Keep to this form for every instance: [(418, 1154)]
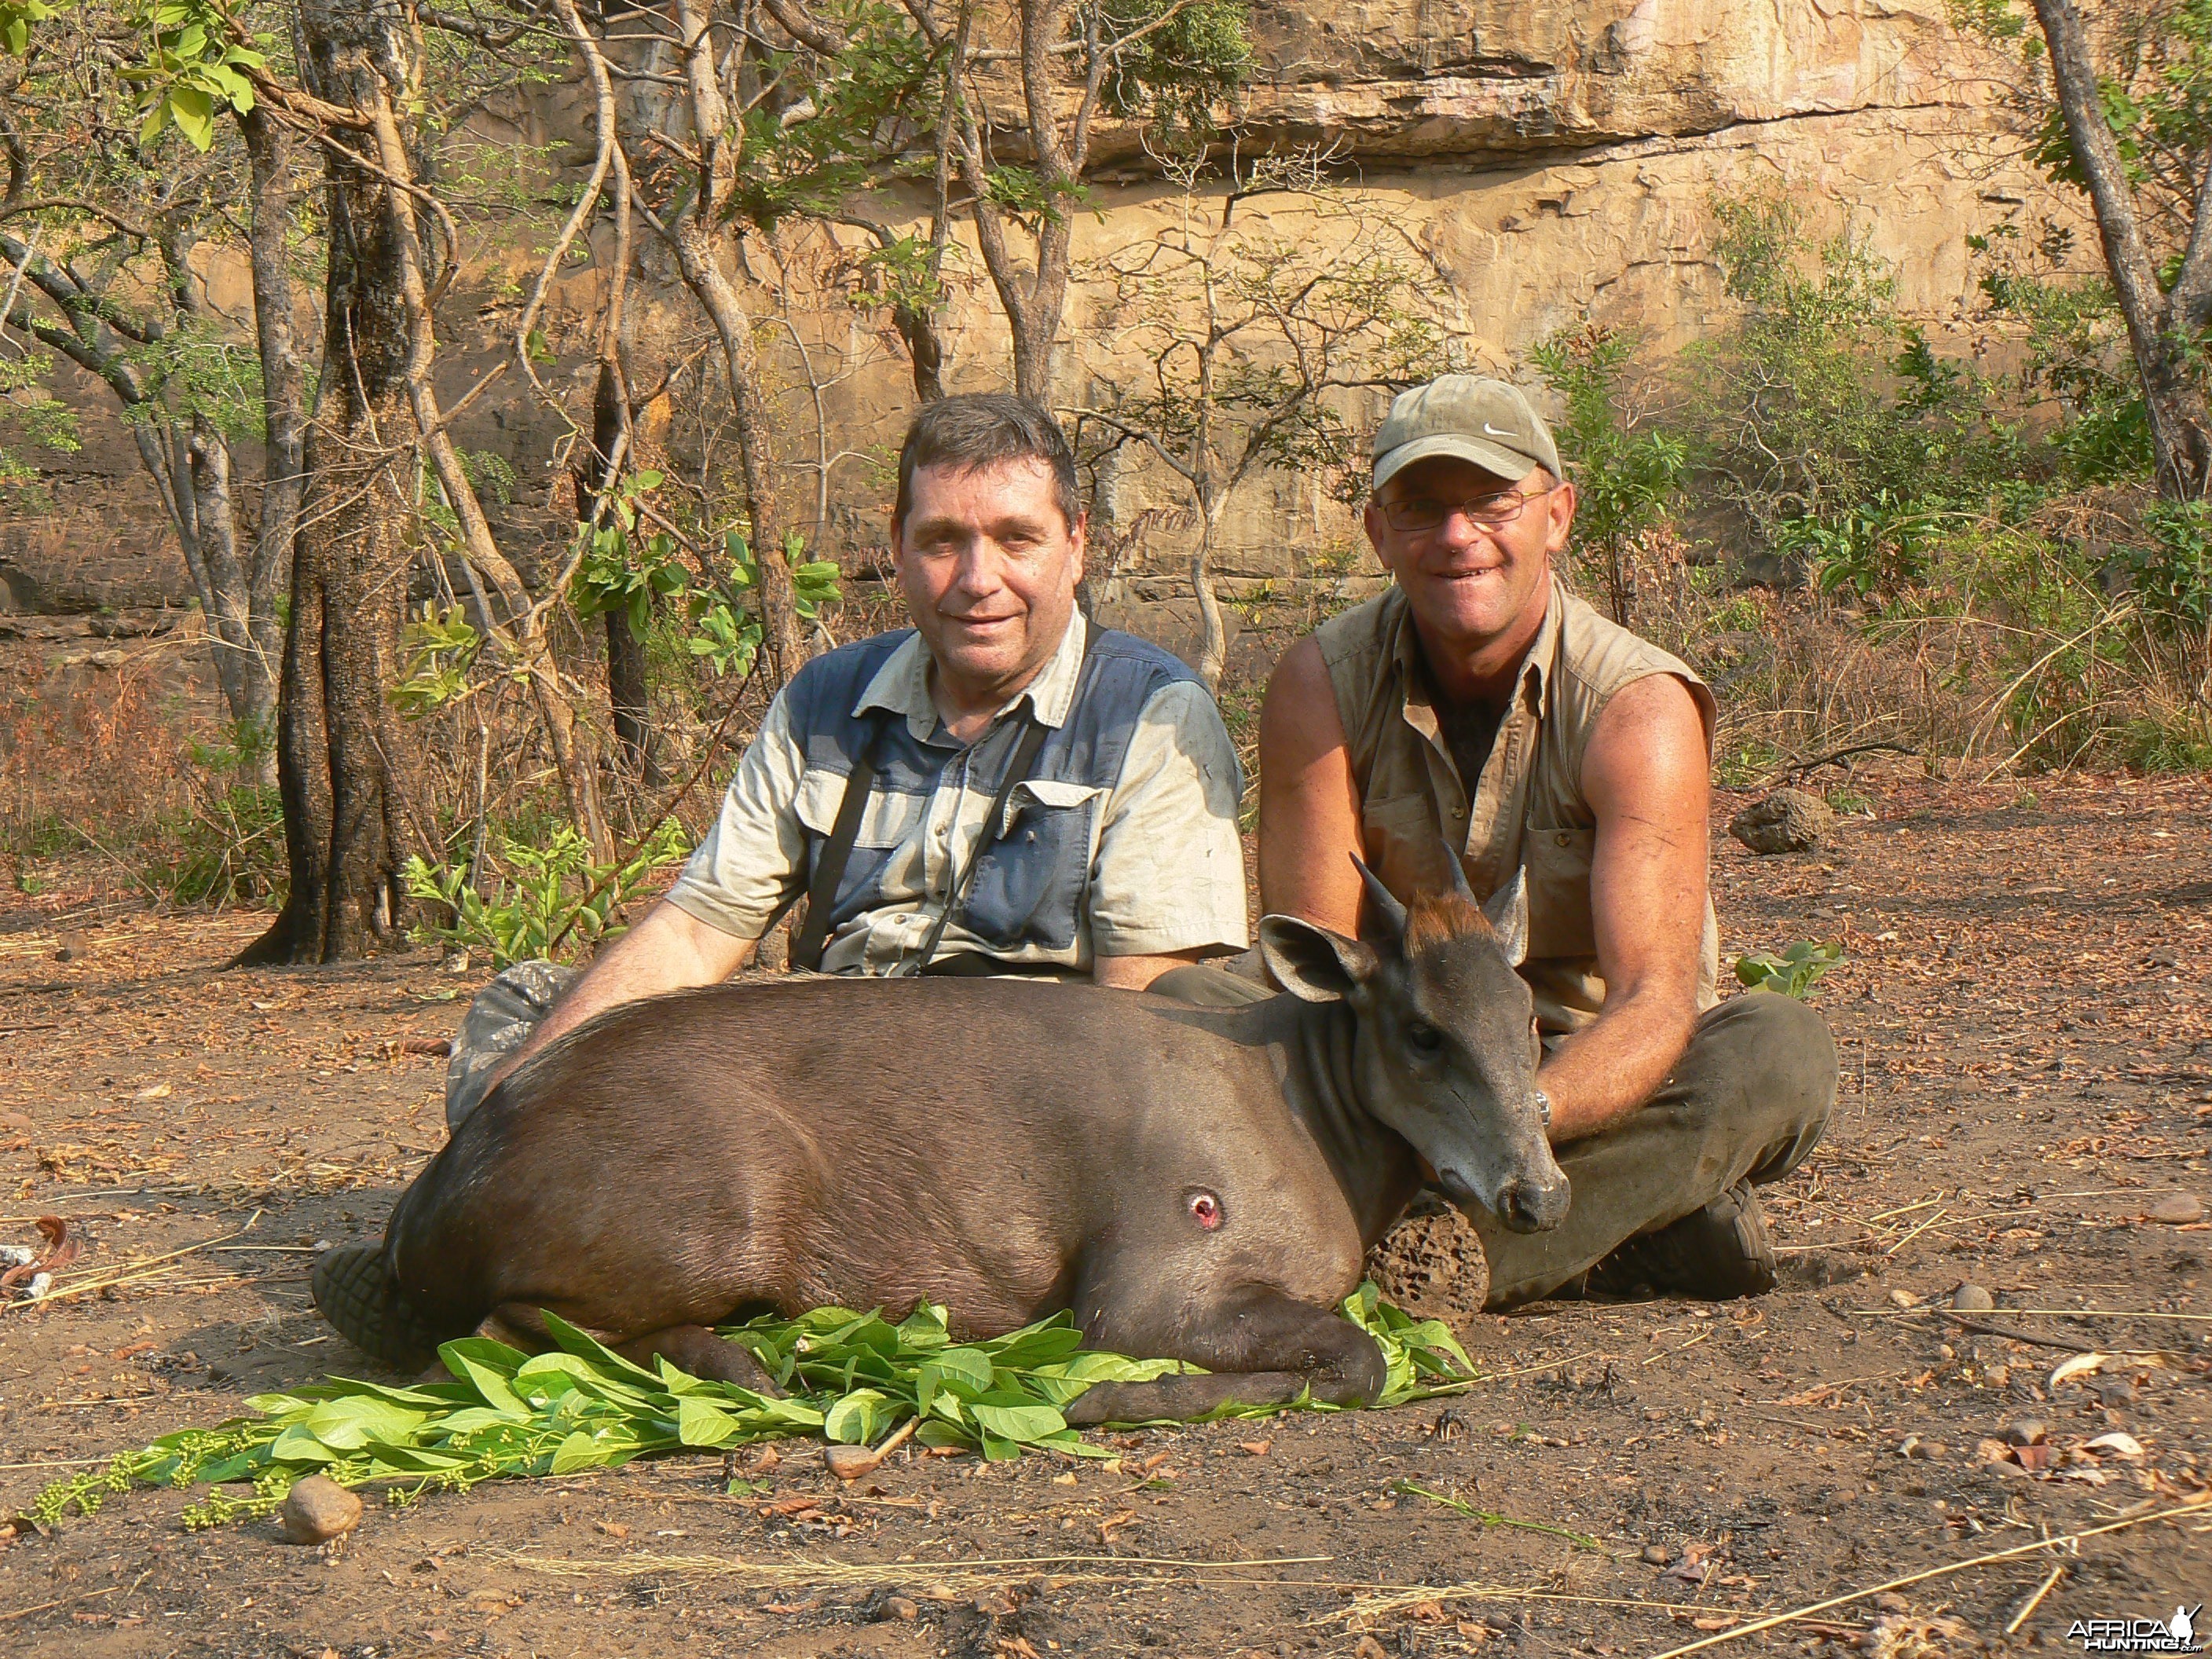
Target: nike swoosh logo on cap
[(1495, 433)]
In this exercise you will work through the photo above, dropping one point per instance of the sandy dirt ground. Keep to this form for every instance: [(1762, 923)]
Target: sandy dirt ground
[(2027, 1100)]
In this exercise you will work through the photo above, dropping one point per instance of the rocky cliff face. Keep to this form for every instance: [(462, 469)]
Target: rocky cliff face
[(1555, 161)]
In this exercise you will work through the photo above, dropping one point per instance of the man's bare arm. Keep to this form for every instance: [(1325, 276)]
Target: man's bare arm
[(1646, 775), (669, 950), (1309, 807), (1135, 972)]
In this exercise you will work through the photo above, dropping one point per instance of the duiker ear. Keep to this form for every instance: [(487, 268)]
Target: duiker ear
[(1508, 912), (1311, 962)]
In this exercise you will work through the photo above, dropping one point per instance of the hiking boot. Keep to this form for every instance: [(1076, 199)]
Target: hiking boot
[(1716, 1255)]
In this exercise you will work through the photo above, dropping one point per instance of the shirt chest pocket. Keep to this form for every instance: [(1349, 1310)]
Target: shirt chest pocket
[(887, 820), (1030, 883), (1557, 860)]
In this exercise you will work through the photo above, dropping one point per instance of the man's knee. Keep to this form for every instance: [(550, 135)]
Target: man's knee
[(1774, 1047), (500, 1020), (1761, 1066)]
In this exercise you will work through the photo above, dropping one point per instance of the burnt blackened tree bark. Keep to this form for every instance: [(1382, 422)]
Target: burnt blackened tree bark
[(592, 476), (342, 757)]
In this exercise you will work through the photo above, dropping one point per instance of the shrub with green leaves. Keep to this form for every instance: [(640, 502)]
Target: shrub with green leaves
[(1818, 401), (1792, 973), (441, 645), (627, 569), (849, 1378), (192, 70), (1625, 479), (553, 901), (728, 623)]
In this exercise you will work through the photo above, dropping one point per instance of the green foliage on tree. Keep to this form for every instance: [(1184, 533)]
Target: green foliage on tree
[(550, 900), (1822, 418), (626, 567), (193, 70), (30, 415), (855, 115), (1185, 60), (1626, 478)]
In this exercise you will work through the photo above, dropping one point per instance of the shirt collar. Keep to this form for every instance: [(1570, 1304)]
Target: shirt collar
[(900, 686), (1534, 678)]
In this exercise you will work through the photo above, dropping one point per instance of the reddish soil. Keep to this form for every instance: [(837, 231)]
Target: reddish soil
[(2027, 1073)]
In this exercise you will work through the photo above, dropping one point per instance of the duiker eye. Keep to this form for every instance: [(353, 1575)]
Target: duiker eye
[(1424, 1036)]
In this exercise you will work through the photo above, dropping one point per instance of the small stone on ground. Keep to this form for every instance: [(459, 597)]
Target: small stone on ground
[(317, 1510)]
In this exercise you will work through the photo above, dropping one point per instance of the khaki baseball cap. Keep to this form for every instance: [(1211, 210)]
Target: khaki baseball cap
[(1470, 418)]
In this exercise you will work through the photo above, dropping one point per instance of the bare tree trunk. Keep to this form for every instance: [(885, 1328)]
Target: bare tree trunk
[(343, 760), (1036, 300), (1213, 645), (283, 398), (695, 239), (251, 695), (2180, 419)]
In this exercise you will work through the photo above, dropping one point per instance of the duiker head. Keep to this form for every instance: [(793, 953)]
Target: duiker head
[(1447, 1048)]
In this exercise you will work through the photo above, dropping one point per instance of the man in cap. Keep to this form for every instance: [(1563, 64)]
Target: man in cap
[(1479, 707)]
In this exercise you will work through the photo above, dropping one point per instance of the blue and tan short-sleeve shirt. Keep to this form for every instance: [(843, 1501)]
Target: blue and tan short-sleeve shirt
[(1121, 841)]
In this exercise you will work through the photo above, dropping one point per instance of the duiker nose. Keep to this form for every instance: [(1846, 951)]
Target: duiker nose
[(1533, 1206)]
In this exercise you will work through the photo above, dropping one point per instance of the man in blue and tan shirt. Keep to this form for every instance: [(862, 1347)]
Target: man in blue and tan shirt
[(1115, 854)]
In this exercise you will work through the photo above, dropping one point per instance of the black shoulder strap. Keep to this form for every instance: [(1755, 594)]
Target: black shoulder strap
[(829, 869), (1018, 767), (806, 949)]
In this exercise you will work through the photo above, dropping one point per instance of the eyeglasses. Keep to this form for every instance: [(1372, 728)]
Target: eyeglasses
[(1415, 513)]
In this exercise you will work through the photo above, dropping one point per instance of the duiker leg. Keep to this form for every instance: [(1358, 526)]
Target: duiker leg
[(692, 1348), (695, 1349), (1260, 1348)]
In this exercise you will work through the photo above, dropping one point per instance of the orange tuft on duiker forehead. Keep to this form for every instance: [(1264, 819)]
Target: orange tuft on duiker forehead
[(1434, 919)]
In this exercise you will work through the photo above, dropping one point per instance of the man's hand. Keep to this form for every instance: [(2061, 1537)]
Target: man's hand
[(1646, 774), (669, 950)]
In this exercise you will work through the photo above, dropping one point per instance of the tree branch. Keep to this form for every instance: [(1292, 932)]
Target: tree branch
[(808, 30), (77, 205)]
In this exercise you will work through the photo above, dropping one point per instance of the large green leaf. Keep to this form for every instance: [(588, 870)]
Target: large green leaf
[(1024, 1425), (964, 1371), (699, 1423), (350, 1423), (490, 1382), (299, 1444), (859, 1418), (577, 1451)]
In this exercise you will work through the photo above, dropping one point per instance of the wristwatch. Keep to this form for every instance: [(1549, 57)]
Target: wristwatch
[(1543, 1107)]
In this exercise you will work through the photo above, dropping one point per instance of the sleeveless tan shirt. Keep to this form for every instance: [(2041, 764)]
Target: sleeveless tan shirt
[(1528, 808)]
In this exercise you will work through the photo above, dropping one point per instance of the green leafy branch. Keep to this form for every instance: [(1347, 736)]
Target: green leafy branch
[(1792, 973), (17, 17), (849, 1378), (554, 893), (194, 69), (440, 646), (625, 569)]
